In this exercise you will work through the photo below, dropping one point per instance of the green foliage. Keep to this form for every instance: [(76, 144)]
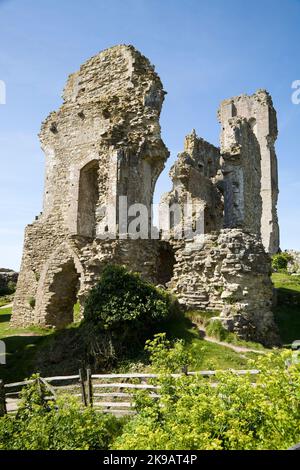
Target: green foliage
[(122, 311), (280, 261), (77, 312), (167, 356), (215, 329), (233, 415), (121, 298), (63, 425), (11, 286), (8, 289)]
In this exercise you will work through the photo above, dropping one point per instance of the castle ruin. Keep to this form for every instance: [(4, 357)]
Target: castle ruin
[(103, 149)]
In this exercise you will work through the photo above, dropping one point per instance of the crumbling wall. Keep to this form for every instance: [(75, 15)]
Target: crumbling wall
[(104, 142), (229, 275), (259, 111), (240, 167), (195, 194), (228, 270)]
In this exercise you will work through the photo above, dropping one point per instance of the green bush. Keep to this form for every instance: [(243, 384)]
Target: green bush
[(233, 415), (280, 261), (63, 425), (167, 356), (122, 311)]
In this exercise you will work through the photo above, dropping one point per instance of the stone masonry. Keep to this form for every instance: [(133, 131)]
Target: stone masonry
[(104, 142), (104, 150), (258, 110)]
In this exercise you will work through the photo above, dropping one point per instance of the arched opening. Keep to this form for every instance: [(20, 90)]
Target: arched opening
[(88, 197), (166, 261), (63, 291), (253, 125)]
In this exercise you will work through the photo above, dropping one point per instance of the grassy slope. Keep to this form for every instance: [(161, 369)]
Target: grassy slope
[(25, 345), (205, 355), (21, 347)]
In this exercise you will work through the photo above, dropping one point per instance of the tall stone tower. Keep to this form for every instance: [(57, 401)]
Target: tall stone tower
[(258, 110), (104, 142)]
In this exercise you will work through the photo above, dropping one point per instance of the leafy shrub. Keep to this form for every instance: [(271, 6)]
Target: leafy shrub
[(233, 415), (62, 425), (122, 311), (167, 356), (280, 261)]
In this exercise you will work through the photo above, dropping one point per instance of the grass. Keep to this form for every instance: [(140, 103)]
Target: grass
[(287, 311), (215, 329), (21, 347), (5, 299)]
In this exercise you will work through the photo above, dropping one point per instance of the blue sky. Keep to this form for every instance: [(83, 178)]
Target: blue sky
[(203, 50)]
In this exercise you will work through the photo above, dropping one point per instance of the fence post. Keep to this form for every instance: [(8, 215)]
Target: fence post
[(89, 386), (81, 380), (3, 409), (39, 387)]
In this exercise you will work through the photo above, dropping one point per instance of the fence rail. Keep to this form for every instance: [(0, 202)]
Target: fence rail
[(109, 393)]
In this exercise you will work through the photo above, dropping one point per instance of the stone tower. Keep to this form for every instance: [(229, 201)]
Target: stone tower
[(258, 110), (104, 142)]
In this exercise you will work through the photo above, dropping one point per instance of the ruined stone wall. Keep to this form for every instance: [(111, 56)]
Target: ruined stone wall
[(229, 275), (103, 142), (259, 111), (194, 185), (240, 167), (228, 270)]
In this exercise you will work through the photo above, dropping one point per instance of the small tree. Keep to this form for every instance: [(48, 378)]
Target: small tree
[(280, 261)]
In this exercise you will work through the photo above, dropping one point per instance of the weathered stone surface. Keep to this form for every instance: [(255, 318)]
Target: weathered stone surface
[(258, 110), (104, 142), (193, 176), (240, 166), (294, 265), (229, 275)]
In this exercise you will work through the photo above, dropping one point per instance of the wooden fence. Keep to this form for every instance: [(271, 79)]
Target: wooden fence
[(109, 393)]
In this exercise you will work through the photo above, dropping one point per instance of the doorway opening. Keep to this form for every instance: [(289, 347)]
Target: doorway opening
[(63, 290)]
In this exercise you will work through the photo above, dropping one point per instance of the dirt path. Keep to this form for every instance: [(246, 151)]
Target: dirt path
[(238, 349), (233, 347), (7, 305)]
